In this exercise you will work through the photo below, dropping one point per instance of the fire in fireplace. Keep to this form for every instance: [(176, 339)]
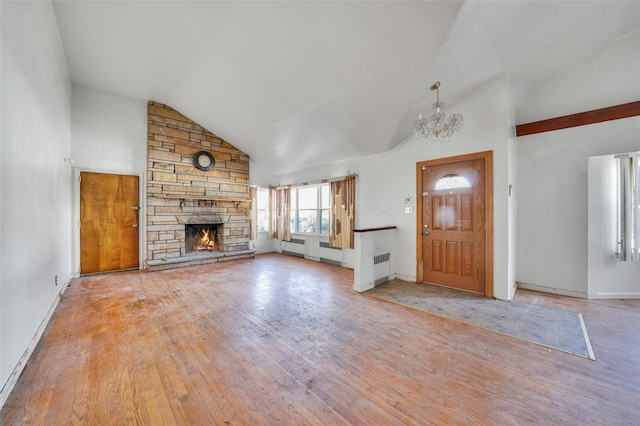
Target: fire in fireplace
[(202, 238)]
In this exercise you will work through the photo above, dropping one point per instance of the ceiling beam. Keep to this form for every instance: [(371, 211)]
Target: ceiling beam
[(631, 109)]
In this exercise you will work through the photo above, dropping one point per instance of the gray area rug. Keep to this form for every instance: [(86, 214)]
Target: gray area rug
[(554, 328)]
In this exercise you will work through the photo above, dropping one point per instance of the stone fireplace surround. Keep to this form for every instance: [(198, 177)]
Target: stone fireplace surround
[(179, 194)]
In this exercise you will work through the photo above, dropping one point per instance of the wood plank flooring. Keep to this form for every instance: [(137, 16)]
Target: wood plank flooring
[(282, 340)]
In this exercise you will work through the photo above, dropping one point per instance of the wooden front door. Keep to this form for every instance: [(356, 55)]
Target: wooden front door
[(108, 222), (453, 223)]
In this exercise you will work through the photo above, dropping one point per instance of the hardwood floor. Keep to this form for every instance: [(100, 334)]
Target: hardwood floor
[(282, 340)]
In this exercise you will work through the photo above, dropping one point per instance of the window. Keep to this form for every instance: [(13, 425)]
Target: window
[(310, 209), (452, 181), (262, 202), (628, 195)]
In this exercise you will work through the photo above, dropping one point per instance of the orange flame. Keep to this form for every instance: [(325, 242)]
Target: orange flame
[(206, 243)]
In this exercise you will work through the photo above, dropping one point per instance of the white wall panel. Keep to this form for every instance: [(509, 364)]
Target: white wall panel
[(35, 180)]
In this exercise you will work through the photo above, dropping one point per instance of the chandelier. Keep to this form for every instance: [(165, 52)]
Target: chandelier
[(439, 129)]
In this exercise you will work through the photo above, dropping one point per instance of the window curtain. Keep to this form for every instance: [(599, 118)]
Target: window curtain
[(253, 223), (281, 213), (271, 229), (343, 213)]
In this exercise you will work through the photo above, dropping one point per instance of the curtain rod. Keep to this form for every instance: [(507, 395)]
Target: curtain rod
[(316, 182)]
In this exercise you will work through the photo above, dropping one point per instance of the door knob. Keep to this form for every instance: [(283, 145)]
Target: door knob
[(135, 225)]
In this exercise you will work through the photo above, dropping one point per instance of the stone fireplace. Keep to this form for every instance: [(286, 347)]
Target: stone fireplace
[(181, 195)]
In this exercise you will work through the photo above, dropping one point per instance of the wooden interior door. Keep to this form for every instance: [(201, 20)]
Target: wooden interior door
[(108, 222), (453, 226)]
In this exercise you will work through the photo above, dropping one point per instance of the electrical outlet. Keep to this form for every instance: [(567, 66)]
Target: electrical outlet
[(408, 210)]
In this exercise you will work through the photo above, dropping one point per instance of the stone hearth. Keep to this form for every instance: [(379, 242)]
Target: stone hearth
[(198, 259)]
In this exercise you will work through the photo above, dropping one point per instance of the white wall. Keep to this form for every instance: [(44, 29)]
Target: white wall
[(552, 167), (607, 276), (108, 132), (259, 175), (4, 394), (263, 244), (35, 214), (512, 193), (385, 180), (108, 135)]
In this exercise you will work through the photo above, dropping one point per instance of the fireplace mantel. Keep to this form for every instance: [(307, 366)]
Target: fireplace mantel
[(201, 197), (201, 219), (236, 201)]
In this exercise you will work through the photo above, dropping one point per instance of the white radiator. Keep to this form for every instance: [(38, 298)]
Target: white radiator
[(381, 265)]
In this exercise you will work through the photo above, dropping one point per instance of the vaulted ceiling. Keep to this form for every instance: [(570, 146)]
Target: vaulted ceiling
[(297, 84)]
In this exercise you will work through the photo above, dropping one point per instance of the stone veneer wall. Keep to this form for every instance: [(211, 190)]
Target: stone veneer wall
[(177, 192)]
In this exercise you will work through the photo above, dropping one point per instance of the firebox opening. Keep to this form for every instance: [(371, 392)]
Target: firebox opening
[(202, 238)]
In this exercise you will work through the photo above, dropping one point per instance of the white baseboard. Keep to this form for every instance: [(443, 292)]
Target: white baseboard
[(603, 296), (361, 288), (17, 371), (273, 250), (410, 278), (552, 290)]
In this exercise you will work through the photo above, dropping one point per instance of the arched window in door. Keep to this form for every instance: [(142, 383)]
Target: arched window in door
[(452, 181)]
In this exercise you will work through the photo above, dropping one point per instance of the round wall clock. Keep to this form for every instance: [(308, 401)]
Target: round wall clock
[(204, 161)]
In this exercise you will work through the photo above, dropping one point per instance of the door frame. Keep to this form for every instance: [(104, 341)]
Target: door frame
[(487, 157), (75, 225)]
